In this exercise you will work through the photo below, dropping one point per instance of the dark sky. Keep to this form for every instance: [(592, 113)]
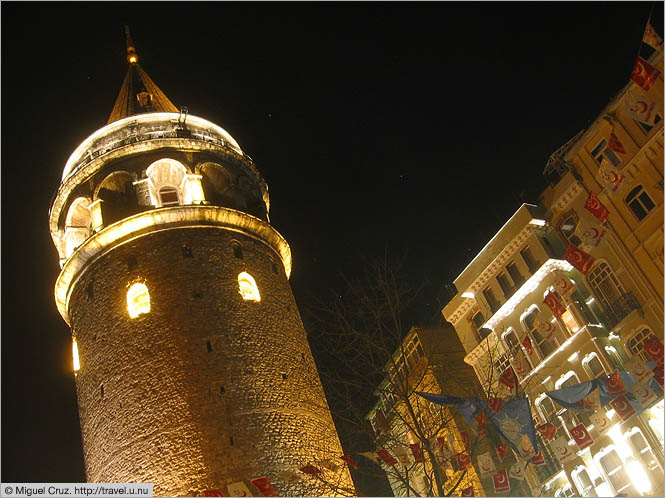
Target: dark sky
[(413, 126)]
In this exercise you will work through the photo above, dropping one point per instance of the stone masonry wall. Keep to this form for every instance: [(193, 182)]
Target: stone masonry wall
[(206, 389)]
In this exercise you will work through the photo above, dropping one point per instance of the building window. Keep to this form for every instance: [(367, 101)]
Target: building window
[(603, 151), (168, 196), (639, 202), (547, 411), (237, 250), (247, 287), (543, 345), (592, 365), (502, 364), (567, 228), (166, 182), (612, 467), (75, 356), (520, 357), (505, 285), (570, 322), (529, 260), (583, 481), (145, 99), (636, 344), (491, 300), (478, 319), (515, 274), (605, 285), (647, 128), (645, 455), (138, 300)]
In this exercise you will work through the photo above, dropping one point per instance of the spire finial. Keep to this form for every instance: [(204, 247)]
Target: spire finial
[(132, 57)]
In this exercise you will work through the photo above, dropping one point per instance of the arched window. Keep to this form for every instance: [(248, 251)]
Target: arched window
[(75, 356), (592, 365), (605, 285), (639, 202), (636, 342), (540, 341), (166, 182), (610, 463), (521, 361), (645, 454), (168, 196), (138, 300), (247, 287)]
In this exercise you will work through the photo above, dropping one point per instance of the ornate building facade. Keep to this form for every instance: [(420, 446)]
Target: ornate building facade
[(193, 369)]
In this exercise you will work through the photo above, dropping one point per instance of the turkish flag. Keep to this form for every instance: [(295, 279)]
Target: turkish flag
[(596, 208), (658, 374), (581, 436), (517, 471), (614, 144), (495, 404), (563, 286), (592, 401), (644, 74), (643, 393), (508, 378), (548, 430), (350, 461), (615, 385), (264, 486), (538, 459), (467, 491), (481, 419), (463, 461), (600, 421), (561, 449), (417, 452), (213, 492), (579, 259), (464, 437), (526, 342), (554, 303), (638, 368), (623, 407), (501, 451), (311, 470), (654, 348), (545, 328), (386, 457), (501, 482), (610, 177)]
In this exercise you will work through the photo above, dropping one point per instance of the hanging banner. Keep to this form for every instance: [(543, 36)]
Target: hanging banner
[(644, 395), (581, 436), (538, 459), (481, 419), (654, 348), (350, 461), (641, 109), (467, 491), (638, 369), (402, 455), (486, 465), (614, 144), (545, 328), (610, 177), (563, 286), (501, 451), (644, 74), (579, 259), (264, 486), (623, 407), (592, 401), (547, 430), (213, 492), (651, 37), (386, 457), (554, 303), (590, 233), (561, 449), (517, 471), (463, 461), (495, 404), (596, 208), (501, 482), (417, 452), (615, 386), (238, 489), (600, 422)]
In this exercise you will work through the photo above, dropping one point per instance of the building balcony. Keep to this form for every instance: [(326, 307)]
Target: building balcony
[(619, 309)]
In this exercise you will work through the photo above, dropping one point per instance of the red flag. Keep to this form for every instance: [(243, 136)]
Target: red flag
[(596, 208), (526, 342), (311, 470), (554, 303), (654, 348), (581, 436), (548, 430), (650, 37), (464, 436), (501, 482), (264, 486), (386, 457), (610, 177), (615, 385), (350, 461), (538, 459), (615, 144), (463, 461), (644, 74), (658, 374), (501, 451), (508, 378), (481, 419), (623, 407), (495, 404), (579, 259), (563, 286), (417, 452), (467, 491), (213, 492)]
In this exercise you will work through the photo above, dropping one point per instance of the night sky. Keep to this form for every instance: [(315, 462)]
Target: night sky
[(416, 127)]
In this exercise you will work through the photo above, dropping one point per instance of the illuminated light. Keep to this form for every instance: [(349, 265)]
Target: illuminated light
[(573, 357), (623, 449), (613, 336), (138, 300), (133, 59), (547, 379), (638, 476), (603, 489), (590, 428), (469, 295), (96, 215), (247, 287), (553, 320), (611, 413), (611, 349), (75, 356), (193, 190), (537, 222), (590, 300)]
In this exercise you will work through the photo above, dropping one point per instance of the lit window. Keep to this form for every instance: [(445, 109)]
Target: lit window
[(247, 287), (75, 355), (645, 455), (602, 150), (636, 344), (543, 345), (570, 321), (592, 365), (639, 202), (583, 481), (138, 300), (615, 473)]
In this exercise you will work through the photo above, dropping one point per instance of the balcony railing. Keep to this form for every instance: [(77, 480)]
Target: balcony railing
[(619, 309)]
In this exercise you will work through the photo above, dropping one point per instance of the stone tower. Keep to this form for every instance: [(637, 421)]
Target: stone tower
[(193, 369)]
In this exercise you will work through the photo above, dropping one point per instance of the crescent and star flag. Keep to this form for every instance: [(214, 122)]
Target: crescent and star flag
[(501, 482), (463, 461), (596, 208), (581, 436), (481, 419), (350, 461), (590, 233), (486, 465), (610, 177), (403, 456), (386, 457), (238, 489), (508, 378), (545, 328), (579, 259), (538, 459), (514, 421), (548, 430), (561, 449), (644, 74), (563, 286), (464, 438), (615, 144), (600, 422), (467, 491), (658, 374), (638, 369), (641, 109), (615, 386), (651, 38), (643, 393), (264, 486), (311, 470), (517, 471), (592, 401), (654, 348), (213, 492), (501, 451), (554, 303), (495, 404), (623, 407), (417, 452)]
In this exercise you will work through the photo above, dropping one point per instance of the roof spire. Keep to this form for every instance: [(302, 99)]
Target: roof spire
[(138, 93)]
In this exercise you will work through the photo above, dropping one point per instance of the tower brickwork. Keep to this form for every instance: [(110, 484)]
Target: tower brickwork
[(193, 369)]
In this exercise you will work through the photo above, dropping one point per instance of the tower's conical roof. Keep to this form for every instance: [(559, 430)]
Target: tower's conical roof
[(138, 93)]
